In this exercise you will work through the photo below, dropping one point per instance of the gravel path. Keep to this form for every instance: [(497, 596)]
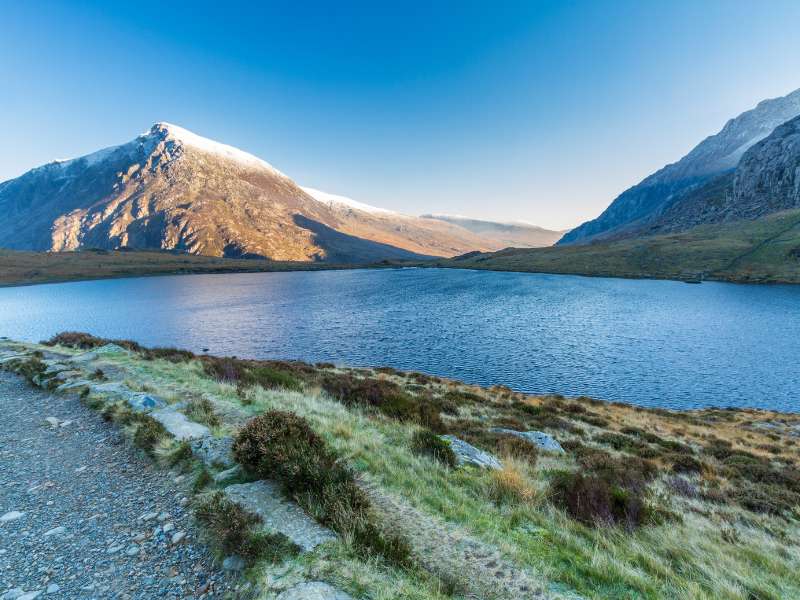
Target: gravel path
[(99, 521)]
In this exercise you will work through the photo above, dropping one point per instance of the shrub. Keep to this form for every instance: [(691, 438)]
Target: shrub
[(427, 443), (202, 480), (98, 375), (85, 341), (31, 368), (385, 396), (250, 373), (174, 355), (283, 446), (518, 448), (593, 500), (682, 487), (769, 499), (149, 433), (201, 410), (683, 463), (236, 531)]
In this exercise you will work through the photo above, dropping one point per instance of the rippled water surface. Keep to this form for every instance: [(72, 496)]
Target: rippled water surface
[(657, 343)]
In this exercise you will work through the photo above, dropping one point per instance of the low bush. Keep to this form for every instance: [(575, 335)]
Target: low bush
[(148, 433), (236, 531), (385, 396), (31, 368), (85, 341), (683, 463), (593, 500), (174, 355), (245, 373), (283, 446), (518, 448), (770, 499), (201, 410), (427, 443)]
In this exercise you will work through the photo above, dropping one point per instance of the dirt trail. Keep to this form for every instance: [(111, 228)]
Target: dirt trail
[(82, 515)]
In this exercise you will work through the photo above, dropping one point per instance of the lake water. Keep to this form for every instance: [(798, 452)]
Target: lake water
[(655, 343)]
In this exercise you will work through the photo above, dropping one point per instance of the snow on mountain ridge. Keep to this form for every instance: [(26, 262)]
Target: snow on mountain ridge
[(327, 198)]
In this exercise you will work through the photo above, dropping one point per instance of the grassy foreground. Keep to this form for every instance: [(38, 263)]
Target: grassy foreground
[(762, 251), (24, 268), (644, 503)]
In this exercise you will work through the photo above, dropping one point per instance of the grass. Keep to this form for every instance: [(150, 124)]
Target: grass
[(239, 533), (765, 250), (26, 268), (728, 530)]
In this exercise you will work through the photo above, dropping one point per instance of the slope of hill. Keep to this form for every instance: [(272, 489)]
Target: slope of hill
[(638, 207), (522, 497), (517, 235), (172, 189), (766, 250)]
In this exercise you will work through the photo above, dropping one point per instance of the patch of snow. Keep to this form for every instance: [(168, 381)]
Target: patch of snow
[(335, 200), (186, 137)]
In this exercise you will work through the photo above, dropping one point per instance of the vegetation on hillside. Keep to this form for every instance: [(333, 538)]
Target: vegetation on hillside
[(645, 503), (762, 251)]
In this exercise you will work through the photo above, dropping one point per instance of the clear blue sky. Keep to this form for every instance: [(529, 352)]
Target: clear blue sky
[(537, 111)]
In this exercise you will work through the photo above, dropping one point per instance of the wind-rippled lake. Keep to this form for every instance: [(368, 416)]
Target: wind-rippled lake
[(655, 343)]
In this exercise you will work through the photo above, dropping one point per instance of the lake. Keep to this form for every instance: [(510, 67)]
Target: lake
[(654, 343)]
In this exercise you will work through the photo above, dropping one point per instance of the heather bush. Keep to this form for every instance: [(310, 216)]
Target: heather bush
[(427, 443)]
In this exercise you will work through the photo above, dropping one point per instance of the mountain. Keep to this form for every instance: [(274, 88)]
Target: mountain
[(766, 181), (172, 189), (636, 209), (517, 235)]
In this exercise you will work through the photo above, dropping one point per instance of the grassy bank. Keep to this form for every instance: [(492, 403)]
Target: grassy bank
[(763, 251), (644, 503), (24, 268)]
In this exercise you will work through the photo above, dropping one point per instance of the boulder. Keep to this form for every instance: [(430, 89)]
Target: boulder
[(74, 386), (177, 424), (264, 498), (313, 590), (214, 452), (467, 454), (543, 441)]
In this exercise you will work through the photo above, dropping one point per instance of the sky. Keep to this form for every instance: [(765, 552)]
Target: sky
[(529, 111)]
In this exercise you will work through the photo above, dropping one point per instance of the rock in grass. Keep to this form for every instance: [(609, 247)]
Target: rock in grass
[(214, 452), (467, 454), (264, 498), (233, 563), (313, 590), (542, 440), (178, 425)]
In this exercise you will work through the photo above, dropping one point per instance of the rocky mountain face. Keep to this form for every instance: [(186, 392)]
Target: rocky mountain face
[(638, 208), (766, 181), (172, 189), (507, 235)]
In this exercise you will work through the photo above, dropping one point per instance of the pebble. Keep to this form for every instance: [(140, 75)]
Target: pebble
[(168, 527), (55, 531), (11, 516), (233, 563), (133, 550), (53, 422), (53, 588), (163, 516), (113, 549), (13, 594), (148, 516), (178, 537), (30, 595)]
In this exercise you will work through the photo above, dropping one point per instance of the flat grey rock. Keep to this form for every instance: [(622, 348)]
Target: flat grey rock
[(78, 384), (543, 441), (264, 498), (214, 452), (11, 516), (142, 402), (467, 454), (313, 590), (228, 474), (179, 425)]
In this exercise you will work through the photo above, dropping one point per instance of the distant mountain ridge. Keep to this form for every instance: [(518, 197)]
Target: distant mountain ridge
[(172, 189), (515, 234), (647, 206)]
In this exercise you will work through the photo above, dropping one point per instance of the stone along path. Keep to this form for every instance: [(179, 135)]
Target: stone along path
[(82, 515)]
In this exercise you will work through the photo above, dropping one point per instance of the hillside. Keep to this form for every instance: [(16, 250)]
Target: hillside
[(635, 210), (376, 483), (517, 235), (172, 189), (760, 251)]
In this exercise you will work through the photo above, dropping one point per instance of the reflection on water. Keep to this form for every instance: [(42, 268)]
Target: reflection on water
[(650, 342)]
